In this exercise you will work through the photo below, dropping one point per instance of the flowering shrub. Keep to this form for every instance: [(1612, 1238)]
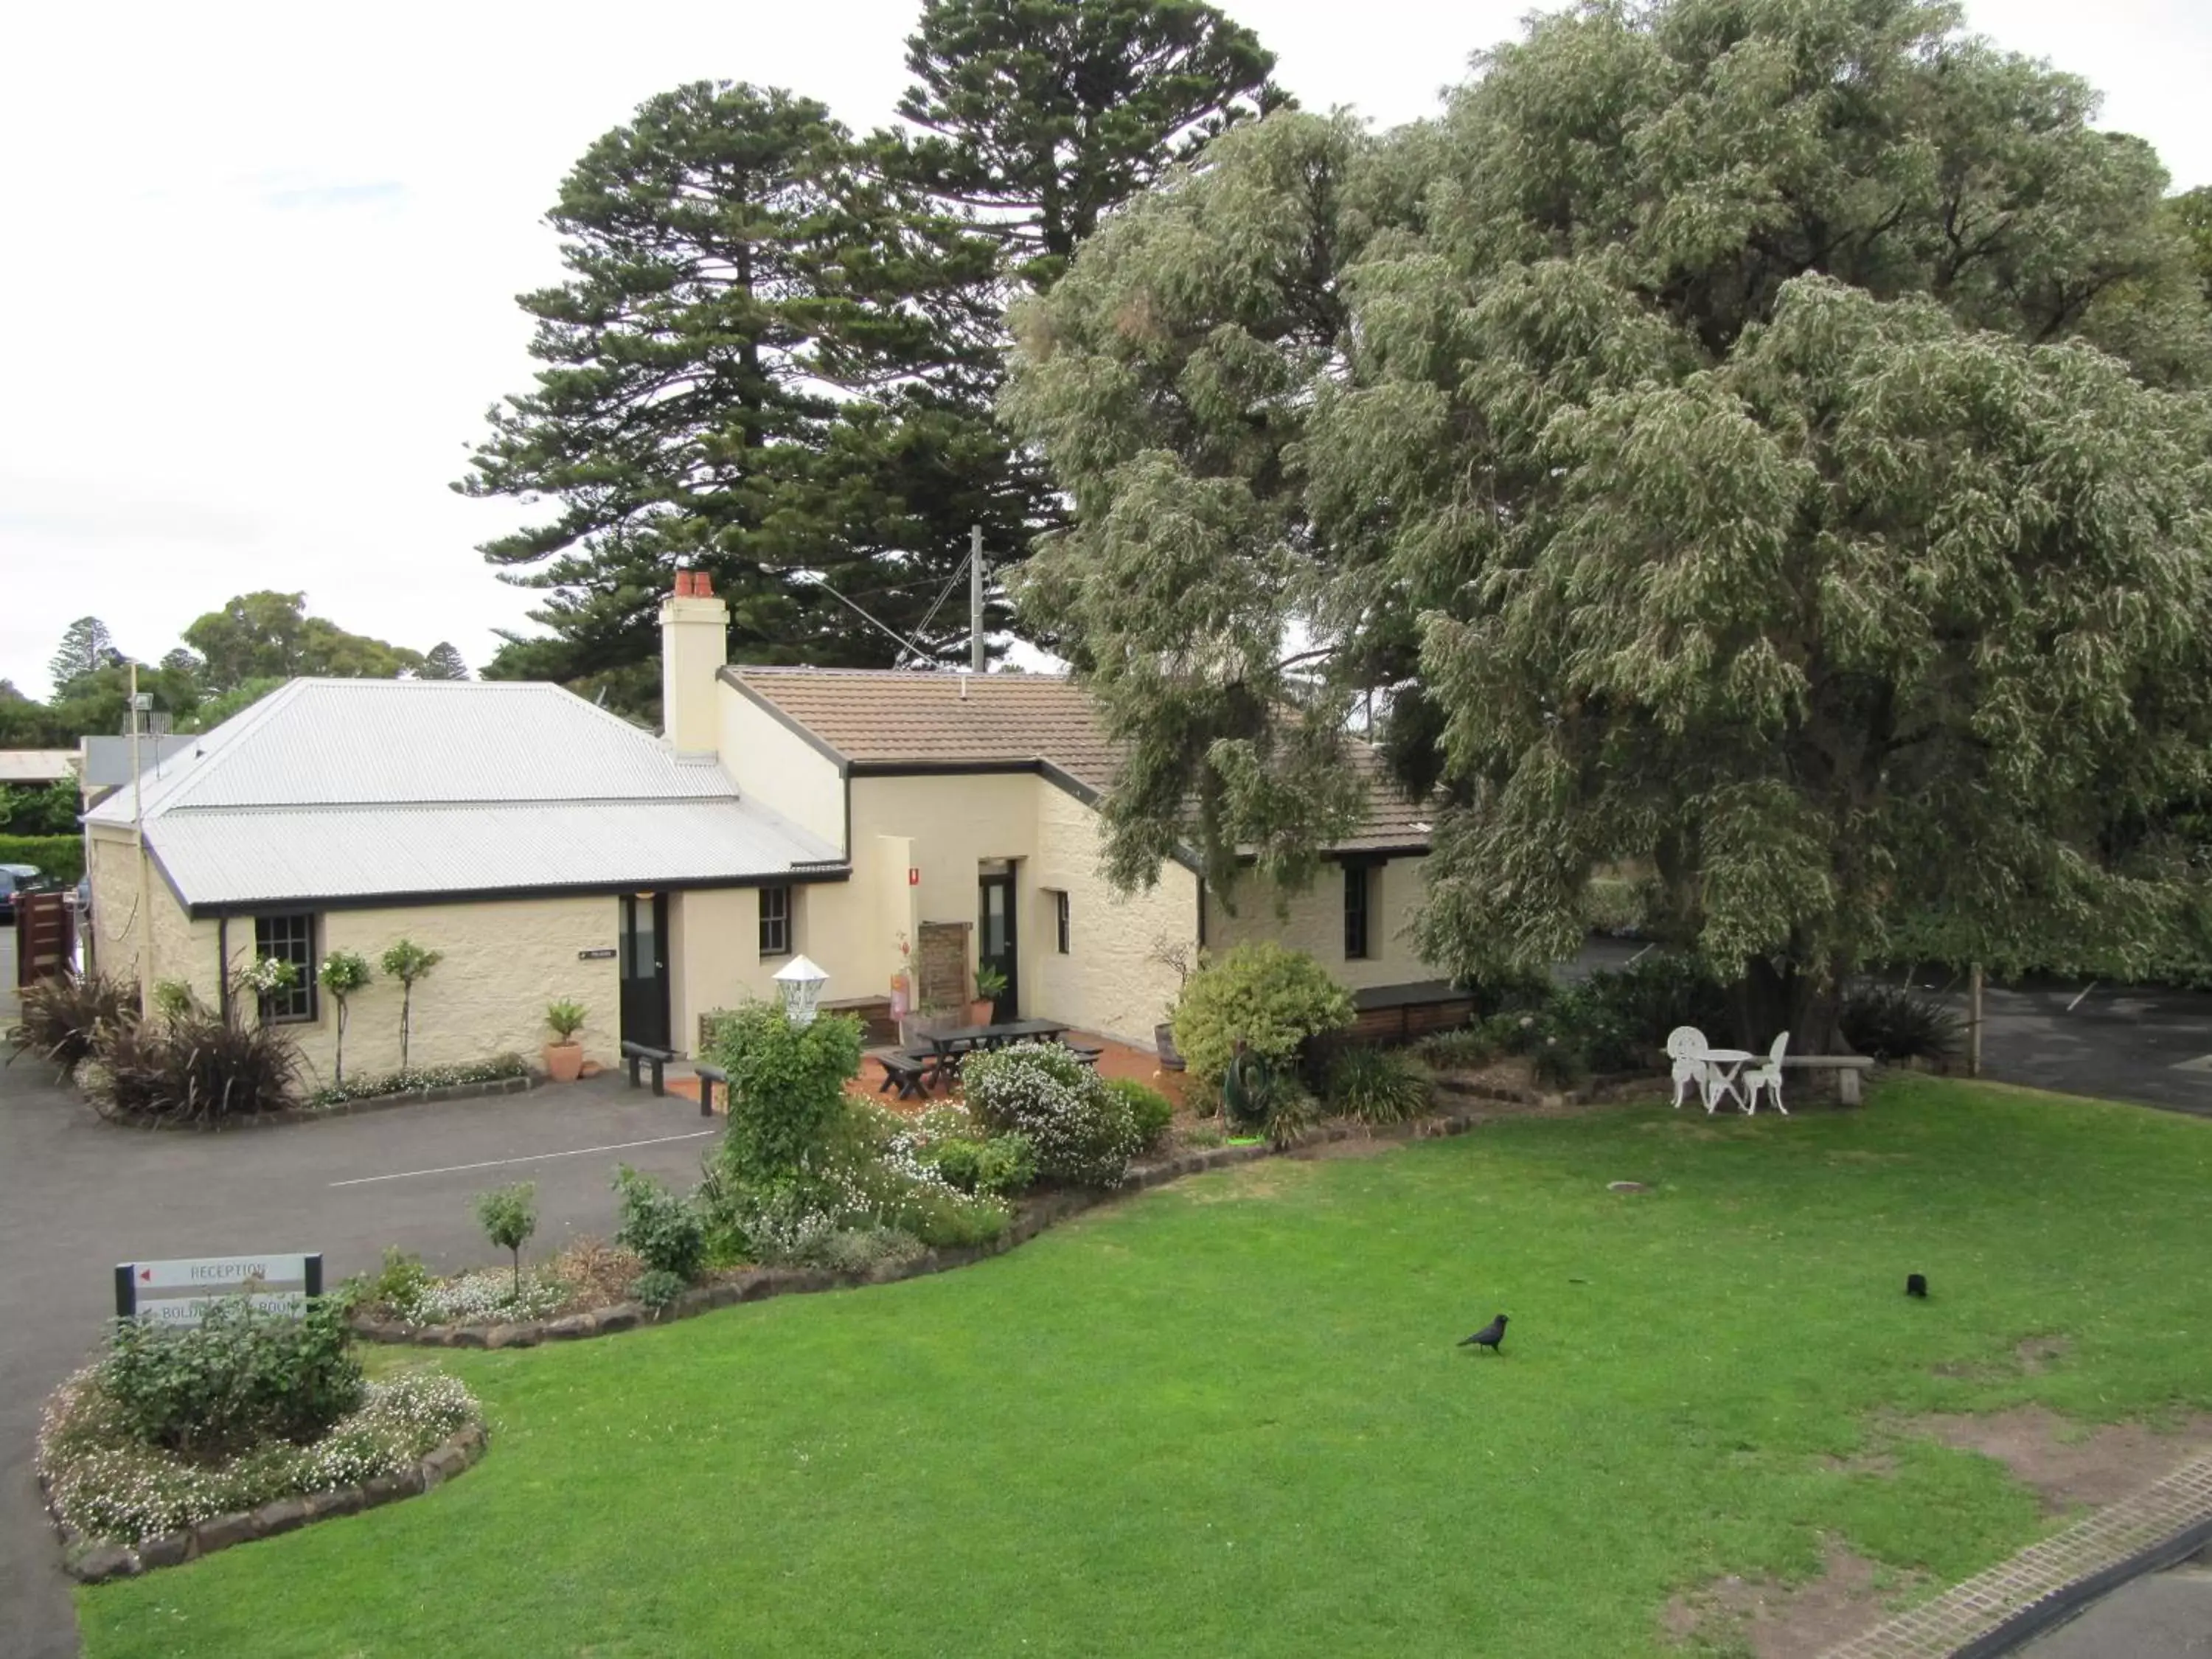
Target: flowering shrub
[(497, 1068), (488, 1294), (1084, 1134), (267, 976), (113, 1486), (949, 1141)]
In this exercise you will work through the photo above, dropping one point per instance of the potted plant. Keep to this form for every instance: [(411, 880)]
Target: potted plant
[(564, 1056), (990, 985)]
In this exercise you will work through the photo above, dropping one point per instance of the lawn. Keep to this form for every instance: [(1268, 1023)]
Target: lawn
[(1229, 1416)]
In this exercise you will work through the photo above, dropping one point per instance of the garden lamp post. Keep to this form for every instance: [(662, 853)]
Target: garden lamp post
[(800, 980)]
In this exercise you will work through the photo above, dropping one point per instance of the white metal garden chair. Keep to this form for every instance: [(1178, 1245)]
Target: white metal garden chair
[(1767, 1077), (1686, 1048)]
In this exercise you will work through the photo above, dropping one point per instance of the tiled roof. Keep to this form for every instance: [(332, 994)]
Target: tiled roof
[(874, 717), (355, 789)]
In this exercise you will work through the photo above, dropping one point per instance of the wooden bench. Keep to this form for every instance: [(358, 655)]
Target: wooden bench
[(909, 1073), (1848, 1069), (708, 1077), (1087, 1052), (637, 1053)]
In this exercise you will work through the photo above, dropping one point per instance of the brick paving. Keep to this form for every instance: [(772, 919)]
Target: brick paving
[(1941, 1626)]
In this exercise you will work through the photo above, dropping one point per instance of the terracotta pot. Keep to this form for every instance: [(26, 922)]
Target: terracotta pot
[(979, 1012), (564, 1061)]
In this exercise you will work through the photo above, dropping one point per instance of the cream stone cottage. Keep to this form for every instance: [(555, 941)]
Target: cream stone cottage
[(881, 822)]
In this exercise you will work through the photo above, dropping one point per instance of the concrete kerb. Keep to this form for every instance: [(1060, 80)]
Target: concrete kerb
[(758, 1283), (90, 1563), (298, 1114)]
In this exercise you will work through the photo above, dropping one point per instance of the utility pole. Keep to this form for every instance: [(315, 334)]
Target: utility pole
[(979, 654), (145, 863)]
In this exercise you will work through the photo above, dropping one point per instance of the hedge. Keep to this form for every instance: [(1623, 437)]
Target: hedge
[(61, 857)]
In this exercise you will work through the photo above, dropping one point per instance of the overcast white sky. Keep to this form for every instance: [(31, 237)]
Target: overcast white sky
[(260, 260)]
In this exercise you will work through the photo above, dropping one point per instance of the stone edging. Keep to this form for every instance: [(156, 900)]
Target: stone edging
[(758, 1283), (1998, 1608), (294, 1115), (91, 1563)]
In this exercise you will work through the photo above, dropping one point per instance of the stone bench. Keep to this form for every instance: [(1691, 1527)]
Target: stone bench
[(1848, 1068)]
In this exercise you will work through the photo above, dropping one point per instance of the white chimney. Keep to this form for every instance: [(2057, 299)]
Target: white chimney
[(694, 643)]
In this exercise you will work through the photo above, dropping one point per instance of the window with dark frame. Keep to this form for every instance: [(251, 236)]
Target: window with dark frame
[(1059, 919), (289, 938), (775, 921), (1355, 912)]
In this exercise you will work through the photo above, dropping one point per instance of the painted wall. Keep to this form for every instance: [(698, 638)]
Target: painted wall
[(1314, 923), (713, 958), (943, 827), (695, 642), (773, 765), (1111, 981), (182, 948)]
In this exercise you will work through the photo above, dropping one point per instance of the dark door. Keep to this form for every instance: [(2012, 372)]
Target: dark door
[(644, 952), (994, 946)]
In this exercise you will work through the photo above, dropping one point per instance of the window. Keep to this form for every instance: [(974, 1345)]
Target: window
[(1355, 912), (289, 938), (1060, 922), (775, 921)]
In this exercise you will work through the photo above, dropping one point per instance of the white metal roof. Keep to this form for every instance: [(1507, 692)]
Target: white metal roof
[(37, 765), (353, 790)]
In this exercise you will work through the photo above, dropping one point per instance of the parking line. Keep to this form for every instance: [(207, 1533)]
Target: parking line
[(534, 1157)]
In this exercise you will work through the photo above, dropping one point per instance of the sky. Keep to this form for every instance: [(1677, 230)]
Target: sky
[(263, 258)]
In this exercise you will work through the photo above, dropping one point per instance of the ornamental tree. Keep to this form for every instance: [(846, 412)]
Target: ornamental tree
[(1762, 442), (342, 973), (410, 964)]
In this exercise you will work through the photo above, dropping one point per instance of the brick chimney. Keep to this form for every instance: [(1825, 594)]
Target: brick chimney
[(694, 643)]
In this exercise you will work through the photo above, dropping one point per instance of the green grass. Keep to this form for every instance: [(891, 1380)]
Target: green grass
[(1228, 1416)]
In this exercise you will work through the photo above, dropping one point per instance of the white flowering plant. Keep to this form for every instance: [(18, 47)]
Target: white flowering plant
[(1083, 1134), (268, 976)]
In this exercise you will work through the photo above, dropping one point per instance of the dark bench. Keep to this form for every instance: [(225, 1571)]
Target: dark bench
[(904, 1070), (637, 1053), (1085, 1051), (708, 1077)]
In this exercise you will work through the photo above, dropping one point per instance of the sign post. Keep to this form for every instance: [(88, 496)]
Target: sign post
[(181, 1292)]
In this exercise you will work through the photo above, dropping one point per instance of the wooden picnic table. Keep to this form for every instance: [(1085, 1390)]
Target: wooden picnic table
[(958, 1040)]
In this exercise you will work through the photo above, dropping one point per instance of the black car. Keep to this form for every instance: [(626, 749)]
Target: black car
[(20, 878)]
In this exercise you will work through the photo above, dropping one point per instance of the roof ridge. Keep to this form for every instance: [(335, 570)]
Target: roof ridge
[(247, 720)]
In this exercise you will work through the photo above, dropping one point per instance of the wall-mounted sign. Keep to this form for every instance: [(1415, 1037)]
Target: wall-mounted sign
[(913, 877), (179, 1292), (605, 953)]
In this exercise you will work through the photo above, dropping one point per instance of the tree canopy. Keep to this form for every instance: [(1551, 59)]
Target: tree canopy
[(443, 662), (86, 647), (1762, 442), (1043, 114), (270, 636)]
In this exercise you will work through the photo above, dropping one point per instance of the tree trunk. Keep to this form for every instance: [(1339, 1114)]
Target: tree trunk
[(1773, 998)]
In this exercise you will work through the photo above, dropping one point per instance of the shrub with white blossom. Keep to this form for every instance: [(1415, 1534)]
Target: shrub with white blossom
[(1083, 1135)]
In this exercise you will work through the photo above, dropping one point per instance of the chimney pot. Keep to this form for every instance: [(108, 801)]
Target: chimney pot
[(702, 585), (682, 584)]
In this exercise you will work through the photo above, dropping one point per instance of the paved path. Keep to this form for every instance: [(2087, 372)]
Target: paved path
[(78, 1195)]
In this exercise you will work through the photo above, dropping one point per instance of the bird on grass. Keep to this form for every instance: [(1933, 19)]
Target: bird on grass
[(1488, 1337), (1916, 1284)]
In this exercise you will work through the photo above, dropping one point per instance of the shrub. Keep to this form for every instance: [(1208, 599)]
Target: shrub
[(397, 1287), (61, 857), (1148, 1109), (173, 997), (375, 1085), (1377, 1086), (1463, 1049), (509, 1216), (668, 1232), (242, 1374), (1082, 1131), (1891, 1022), (1620, 1017), (1269, 998), (1001, 1165), (1615, 905), (1559, 1062), (787, 1087), (110, 1486), (1286, 1110), (202, 1070), (657, 1289), (65, 1018)]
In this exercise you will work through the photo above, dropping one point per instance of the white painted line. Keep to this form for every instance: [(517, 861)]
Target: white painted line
[(534, 1157)]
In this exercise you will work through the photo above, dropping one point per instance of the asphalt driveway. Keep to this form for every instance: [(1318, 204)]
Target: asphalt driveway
[(77, 1196)]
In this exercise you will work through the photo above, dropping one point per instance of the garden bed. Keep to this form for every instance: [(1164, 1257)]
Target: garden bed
[(407, 1096)]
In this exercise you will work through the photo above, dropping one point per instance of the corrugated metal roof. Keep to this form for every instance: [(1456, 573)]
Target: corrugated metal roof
[(37, 765), (874, 716), (358, 852), (358, 789)]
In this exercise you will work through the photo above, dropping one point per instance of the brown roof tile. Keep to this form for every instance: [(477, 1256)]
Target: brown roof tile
[(875, 717)]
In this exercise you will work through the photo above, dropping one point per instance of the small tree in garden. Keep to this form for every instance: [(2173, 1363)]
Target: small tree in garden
[(509, 1216), (1269, 998), (342, 973), (786, 1086), (407, 962)]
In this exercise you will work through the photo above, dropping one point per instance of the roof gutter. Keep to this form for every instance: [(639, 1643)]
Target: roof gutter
[(796, 875)]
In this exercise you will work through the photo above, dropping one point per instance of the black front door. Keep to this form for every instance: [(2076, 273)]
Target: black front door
[(994, 946), (644, 951)]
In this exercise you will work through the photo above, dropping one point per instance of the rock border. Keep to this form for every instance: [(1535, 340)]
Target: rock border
[(1032, 1218), (295, 1115), (91, 1563)]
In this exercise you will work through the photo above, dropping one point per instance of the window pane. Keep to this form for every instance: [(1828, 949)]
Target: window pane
[(289, 938), (775, 921), (1355, 911)]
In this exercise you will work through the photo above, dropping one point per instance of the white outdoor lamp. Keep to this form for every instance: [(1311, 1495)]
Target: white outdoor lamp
[(800, 980)]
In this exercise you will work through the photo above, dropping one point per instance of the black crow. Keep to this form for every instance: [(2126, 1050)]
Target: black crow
[(1916, 1284), (1489, 1336)]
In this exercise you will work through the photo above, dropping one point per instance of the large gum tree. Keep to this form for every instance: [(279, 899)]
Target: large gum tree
[(1762, 442)]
